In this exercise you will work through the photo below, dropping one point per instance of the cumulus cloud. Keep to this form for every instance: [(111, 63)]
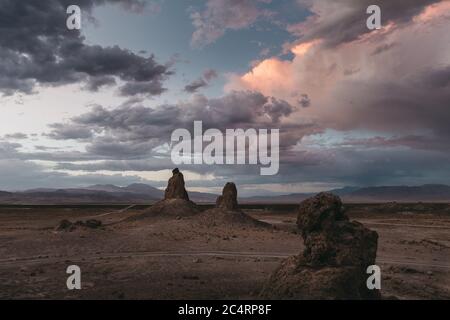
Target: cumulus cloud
[(36, 48), (401, 90)]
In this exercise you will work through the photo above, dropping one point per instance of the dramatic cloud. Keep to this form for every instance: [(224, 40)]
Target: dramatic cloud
[(343, 21), (133, 131), (222, 15), (354, 106), (387, 81), (36, 48)]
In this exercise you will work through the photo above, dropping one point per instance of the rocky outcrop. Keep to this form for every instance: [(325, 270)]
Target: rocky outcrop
[(67, 226), (176, 203), (227, 212), (336, 255), (228, 199), (175, 188)]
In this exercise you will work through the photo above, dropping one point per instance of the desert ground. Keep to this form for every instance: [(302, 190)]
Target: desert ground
[(199, 258)]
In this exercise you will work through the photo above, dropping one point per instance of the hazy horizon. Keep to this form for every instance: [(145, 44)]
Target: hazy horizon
[(218, 190)]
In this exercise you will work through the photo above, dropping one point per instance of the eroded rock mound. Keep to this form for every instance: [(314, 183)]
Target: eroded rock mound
[(176, 208), (227, 211), (176, 201), (228, 199), (336, 255)]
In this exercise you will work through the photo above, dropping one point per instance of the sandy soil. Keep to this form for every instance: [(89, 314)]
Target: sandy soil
[(188, 258)]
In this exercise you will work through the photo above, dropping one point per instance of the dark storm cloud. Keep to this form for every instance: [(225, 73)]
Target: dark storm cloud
[(37, 48), (132, 131), (343, 21)]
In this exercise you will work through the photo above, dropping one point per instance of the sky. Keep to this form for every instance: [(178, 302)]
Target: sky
[(354, 106)]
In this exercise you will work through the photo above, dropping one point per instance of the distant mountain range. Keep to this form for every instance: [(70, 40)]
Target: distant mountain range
[(146, 194), (137, 193), (424, 193)]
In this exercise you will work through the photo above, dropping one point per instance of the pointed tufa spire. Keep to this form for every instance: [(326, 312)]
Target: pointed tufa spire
[(228, 199), (176, 201), (227, 212), (175, 188)]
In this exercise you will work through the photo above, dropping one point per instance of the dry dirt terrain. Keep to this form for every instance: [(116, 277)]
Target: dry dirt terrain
[(197, 258)]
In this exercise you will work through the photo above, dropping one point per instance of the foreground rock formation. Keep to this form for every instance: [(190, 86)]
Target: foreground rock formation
[(227, 211), (176, 201), (336, 255)]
